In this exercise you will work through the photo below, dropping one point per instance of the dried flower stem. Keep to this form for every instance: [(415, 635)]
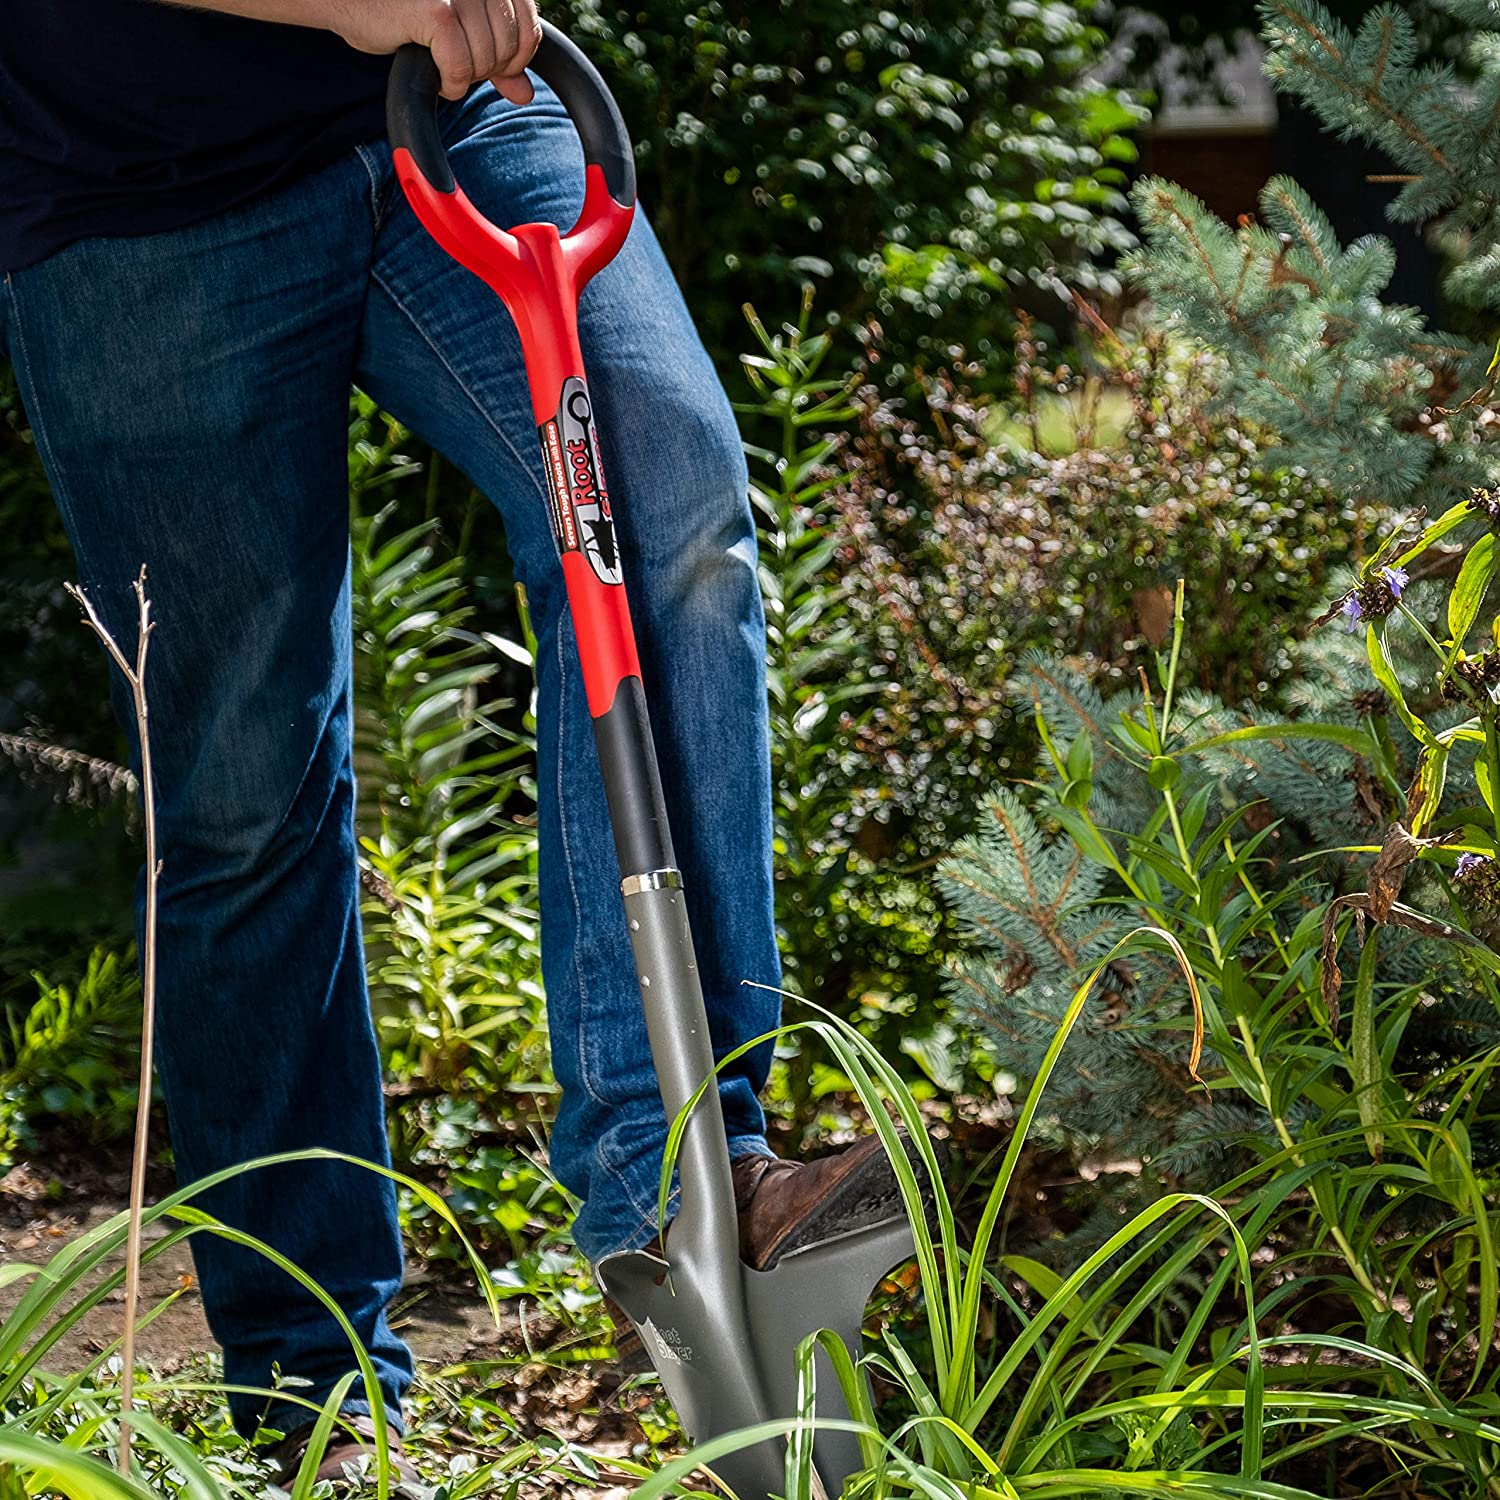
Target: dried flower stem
[(135, 676)]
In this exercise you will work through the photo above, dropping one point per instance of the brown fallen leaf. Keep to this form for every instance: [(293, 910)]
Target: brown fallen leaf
[(1366, 790), (1153, 608)]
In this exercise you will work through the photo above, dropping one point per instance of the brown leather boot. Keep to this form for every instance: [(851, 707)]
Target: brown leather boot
[(788, 1205), (344, 1447), (784, 1206)]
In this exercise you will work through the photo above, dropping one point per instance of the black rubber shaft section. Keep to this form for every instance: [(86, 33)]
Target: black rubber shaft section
[(411, 101), (632, 782)]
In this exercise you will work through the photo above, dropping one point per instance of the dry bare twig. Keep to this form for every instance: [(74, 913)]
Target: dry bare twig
[(135, 677)]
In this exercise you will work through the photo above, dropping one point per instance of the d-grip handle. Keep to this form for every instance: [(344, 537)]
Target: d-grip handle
[(411, 101)]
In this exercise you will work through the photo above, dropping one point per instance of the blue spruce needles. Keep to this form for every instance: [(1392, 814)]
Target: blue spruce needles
[(1354, 384)]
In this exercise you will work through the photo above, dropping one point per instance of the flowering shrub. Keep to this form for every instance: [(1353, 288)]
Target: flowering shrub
[(1375, 599), (1449, 706)]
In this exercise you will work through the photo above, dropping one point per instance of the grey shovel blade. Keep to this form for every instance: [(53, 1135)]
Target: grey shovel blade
[(719, 1385)]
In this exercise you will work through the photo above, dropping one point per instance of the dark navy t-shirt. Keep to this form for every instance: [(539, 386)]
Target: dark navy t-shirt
[(123, 117)]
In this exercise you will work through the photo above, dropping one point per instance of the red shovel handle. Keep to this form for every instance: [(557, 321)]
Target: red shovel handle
[(501, 256), (538, 272), (412, 95)]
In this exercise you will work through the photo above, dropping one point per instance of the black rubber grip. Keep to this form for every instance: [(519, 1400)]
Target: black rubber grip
[(411, 100), (632, 782)]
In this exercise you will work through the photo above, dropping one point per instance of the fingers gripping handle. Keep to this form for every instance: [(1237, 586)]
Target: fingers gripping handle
[(411, 113)]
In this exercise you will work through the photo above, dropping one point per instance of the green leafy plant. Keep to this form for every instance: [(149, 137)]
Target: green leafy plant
[(1356, 1125), (848, 929), (54, 1427), (931, 165), (486, 1146), (448, 848), (69, 1054), (445, 785), (812, 650), (1361, 1259), (1078, 1386)]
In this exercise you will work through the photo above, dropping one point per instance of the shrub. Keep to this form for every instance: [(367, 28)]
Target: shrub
[(445, 779), (69, 1054), (933, 164), (1260, 802), (910, 561), (1352, 1116), (849, 930), (446, 818), (972, 535), (1356, 388)]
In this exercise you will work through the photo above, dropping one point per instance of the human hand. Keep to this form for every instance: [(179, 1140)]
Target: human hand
[(470, 40)]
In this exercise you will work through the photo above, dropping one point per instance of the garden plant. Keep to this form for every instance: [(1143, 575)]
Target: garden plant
[(1135, 709), (935, 166)]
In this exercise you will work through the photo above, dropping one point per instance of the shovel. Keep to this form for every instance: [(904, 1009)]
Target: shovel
[(723, 1337)]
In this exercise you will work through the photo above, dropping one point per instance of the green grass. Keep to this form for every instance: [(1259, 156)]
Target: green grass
[(1006, 1380)]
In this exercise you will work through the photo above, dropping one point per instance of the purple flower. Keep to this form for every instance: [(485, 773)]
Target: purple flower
[(1353, 612), (1470, 864), (1396, 579)]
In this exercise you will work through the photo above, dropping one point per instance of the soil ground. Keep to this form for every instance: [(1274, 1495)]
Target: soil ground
[(442, 1317)]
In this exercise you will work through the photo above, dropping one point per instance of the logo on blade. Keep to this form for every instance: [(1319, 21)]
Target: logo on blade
[(581, 515), (670, 1346)]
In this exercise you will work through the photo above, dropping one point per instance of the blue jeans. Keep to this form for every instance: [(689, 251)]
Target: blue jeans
[(188, 392)]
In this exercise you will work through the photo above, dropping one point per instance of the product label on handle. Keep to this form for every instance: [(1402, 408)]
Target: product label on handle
[(579, 503)]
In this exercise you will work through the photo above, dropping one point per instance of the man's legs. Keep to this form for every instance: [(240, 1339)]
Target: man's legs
[(441, 353), (189, 394)]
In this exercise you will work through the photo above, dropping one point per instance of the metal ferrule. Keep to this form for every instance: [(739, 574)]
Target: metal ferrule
[(652, 880)]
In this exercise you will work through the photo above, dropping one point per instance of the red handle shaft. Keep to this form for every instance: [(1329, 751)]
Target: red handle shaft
[(538, 274)]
